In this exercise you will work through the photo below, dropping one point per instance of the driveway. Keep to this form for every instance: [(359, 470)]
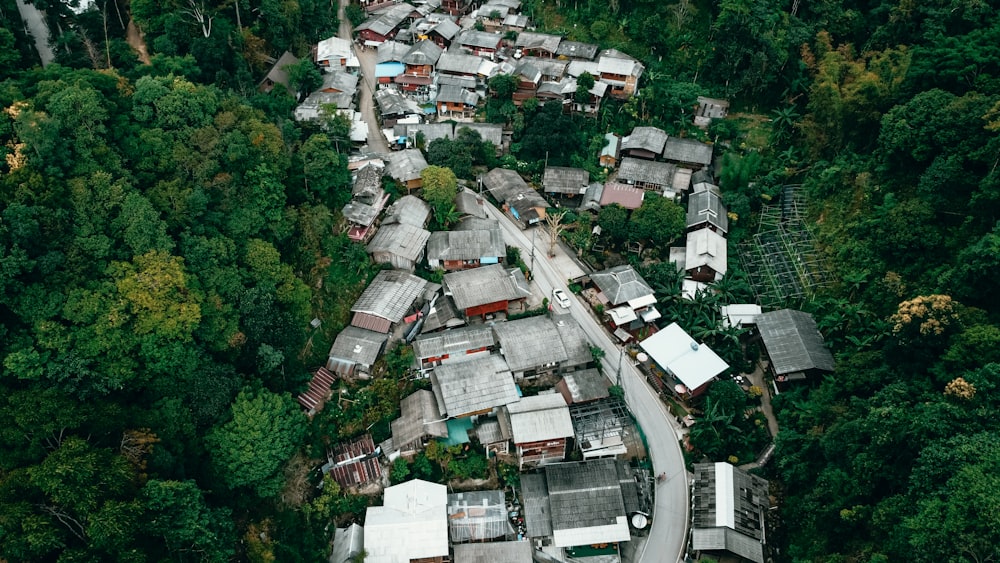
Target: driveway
[(668, 531), (366, 105)]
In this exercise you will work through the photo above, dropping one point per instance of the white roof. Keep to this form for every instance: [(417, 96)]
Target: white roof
[(725, 514), (642, 301), (675, 351), (541, 417), (610, 533), (706, 247), (740, 314), (411, 524), (622, 315), (691, 288)]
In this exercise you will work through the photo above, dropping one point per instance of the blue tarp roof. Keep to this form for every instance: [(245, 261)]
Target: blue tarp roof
[(458, 431), (390, 70)]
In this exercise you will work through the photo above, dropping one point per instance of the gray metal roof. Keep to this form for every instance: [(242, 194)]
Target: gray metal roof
[(612, 61), (537, 341), (540, 417), (504, 184), (391, 102), (419, 417), (585, 385), (473, 223), (341, 81), (621, 284), (430, 131), (689, 151), (358, 345), (466, 245), (470, 203), (425, 52), (467, 82), (728, 510), (516, 20), (406, 165), (550, 68), (457, 95), (453, 341), (634, 170), (706, 247), (459, 63), (479, 39), (793, 342), (279, 72), (724, 539), (384, 23), (392, 52), (390, 295), (479, 286), (584, 494), (707, 207), (347, 543), (493, 552), (565, 180), (651, 139), (476, 385), (537, 511), (368, 183), (408, 210), (540, 41), (446, 28), (577, 50), (406, 241)]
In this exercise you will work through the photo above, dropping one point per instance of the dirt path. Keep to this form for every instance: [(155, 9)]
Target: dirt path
[(367, 58), (137, 41)]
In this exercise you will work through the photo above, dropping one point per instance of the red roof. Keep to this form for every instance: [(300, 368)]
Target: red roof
[(411, 79), (629, 197), (319, 389), (371, 322), (355, 462)]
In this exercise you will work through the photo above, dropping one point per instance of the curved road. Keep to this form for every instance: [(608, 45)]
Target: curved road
[(668, 532), (366, 105)]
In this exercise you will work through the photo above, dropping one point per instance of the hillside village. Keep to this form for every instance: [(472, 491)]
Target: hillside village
[(500, 370)]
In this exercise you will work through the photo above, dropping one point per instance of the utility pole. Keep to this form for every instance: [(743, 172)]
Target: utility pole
[(532, 268)]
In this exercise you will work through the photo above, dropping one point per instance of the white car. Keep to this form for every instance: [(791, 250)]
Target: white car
[(559, 296)]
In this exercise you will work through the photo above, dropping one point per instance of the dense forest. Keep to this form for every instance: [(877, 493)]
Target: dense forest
[(167, 234)]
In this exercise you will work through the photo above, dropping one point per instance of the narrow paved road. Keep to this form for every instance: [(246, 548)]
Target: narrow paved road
[(668, 532), (35, 22), (366, 105)]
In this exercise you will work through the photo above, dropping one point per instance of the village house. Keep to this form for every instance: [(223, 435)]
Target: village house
[(629, 197), (484, 291), (694, 366), (540, 427), (322, 104), (383, 27), (455, 345), (278, 75), (539, 345), (386, 300), (419, 421), (493, 552), (644, 142), (336, 54), (577, 50), (528, 80), (393, 108), (580, 503), (709, 109), (740, 315), (629, 301), (689, 153), (493, 13), (601, 427), (596, 95), (399, 245), (411, 524), (368, 198), (462, 249), (339, 82), (419, 61), (389, 61), (478, 516), (408, 210), (405, 167), (608, 157), (583, 386), (565, 180), (728, 509), (794, 345), (619, 71), (459, 64), (706, 256), (354, 352), (347, 543), (515, 22), (421, 135), (456, 7), (469, 204), (480, 43), (354, 463), (477, 386), (531, 44), (706, 211), (516, 197), (552, 70), (648, 175), (443, 32), (454, 101)]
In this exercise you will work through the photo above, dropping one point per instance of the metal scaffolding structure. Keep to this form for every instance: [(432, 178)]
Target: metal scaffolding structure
[(782, 261)]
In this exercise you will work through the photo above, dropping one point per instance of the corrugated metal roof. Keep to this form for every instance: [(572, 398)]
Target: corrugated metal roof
[(629, 197), (419, 417), (586, 385), (355, 462), (481, 286), (504, 184), (405, 241), (476, 385), (466, 245), (530, 343), (493, 552), (565, 180), (706, 247), (586, 496), (621, 284), (477, 516), (408, 210), (390, 295), (455, 341), (411, 524), (687, 151), (358, 345), (541, 417), (634, 170), (793, 342), (645, 138), (537, 511), (707, 207)]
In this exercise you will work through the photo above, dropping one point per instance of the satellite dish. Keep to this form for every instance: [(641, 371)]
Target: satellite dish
[(639, 520), (694, 346)]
